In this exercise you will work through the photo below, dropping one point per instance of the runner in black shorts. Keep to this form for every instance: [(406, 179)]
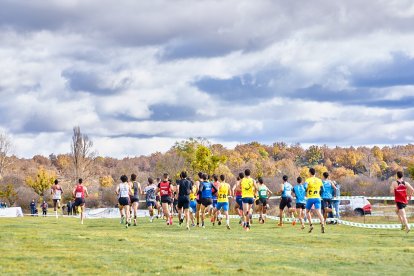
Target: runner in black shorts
[(198, 198), (184, 187), (136, 188)]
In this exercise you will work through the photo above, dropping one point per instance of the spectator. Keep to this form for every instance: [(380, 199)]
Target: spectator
[(69, 206), (33, 207), (44, 208)]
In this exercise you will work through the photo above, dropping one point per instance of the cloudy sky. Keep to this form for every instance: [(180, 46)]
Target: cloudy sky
[(137, 76)]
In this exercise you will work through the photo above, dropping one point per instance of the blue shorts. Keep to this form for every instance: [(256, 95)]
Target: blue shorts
[(239, 201), (214, 202), (193, 206), (223, 205), (249, 200), (313, 202), (150, 203)]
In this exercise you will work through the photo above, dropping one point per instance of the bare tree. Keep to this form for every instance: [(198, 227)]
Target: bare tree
[(82, 154), (5, 149)]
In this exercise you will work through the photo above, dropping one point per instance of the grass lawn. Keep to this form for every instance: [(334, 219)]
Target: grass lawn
[(37, 245)]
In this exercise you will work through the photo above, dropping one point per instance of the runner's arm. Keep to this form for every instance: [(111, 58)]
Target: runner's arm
[(392, 187), (410, 190), (86, 192)]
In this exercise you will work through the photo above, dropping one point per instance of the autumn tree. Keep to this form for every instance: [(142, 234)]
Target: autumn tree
[(5, 150), (42, 181), (9, 193), (313, 155), (82, 154)]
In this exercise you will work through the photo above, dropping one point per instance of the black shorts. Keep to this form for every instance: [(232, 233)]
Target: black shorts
[(134, 199), (183, 202), (157, 198), (166, 199), (301, 206), (401, 205), (206, 201), (123, 201), (79, 201), (326, 203), (175, 202), (285, 201), (263, 201)]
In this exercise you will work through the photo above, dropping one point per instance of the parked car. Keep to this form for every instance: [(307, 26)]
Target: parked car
[(359, 206)]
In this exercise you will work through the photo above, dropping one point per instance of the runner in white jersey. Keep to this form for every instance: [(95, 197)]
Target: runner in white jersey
[(124, 191), (56, 193)]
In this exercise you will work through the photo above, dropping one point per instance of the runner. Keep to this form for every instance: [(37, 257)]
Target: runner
[(123, 190), (264, 193), (79, 193), (216, 184), (299, 191), (286, 200), (56, 193), (150, 197), (207, 190), (314, 185), (166, 198), (327, 195), (248, 187), (198, 197), (184, 188), (238, 207), (402, 190), (136, 188), (193, 204), (223, 201), (158, 200)]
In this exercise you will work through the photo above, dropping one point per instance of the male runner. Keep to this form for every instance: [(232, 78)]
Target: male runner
[(314, 186), (216, 184), (264, 193), (299, 191), (184, 188), (124, 191), (327, 195), (286, 200), (223, 193), (248, 187), (136, 188), (158, 199), (402, 190), (207, 189), (193, 204), (198, 197), (56, 193), (79, 193), (237, 192), (150, 197), (166, 198)]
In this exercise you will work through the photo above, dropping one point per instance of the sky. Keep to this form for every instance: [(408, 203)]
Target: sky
[(137, 76)]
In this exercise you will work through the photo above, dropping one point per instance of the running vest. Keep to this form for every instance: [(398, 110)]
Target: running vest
[(165, 189), (79, 191), (216, 185), (135, 187), (287, 190), (300, 192), (124, 189), (328, 190), (207, 192), (223, 191), (400, 193), (57, 192), (263, 191), (314, 187), (247, 185)]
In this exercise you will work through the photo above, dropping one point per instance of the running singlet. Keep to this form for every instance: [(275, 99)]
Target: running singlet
[(79, 191), (216, 185), (300, 192), (150, 193), (57, 193), (262, 191), (287, 190), (314, 187), (247, 185), (327, 192), (206, 190), (401, 193), (192, 196), (223, 191), (123, 190), (165, 189), (135, 187)]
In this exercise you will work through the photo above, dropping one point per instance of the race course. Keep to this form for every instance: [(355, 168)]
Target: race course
[(37, 245)]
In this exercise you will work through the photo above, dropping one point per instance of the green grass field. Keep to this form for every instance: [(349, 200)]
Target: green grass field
[(36, 245)]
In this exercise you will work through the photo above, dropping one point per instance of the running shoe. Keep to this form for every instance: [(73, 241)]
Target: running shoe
[(322, 228), (188, 228), (310, 228), (294, 222), (280, 224), (402, 227), (228, 227), (122, 220), (302, 227), (219, 222)]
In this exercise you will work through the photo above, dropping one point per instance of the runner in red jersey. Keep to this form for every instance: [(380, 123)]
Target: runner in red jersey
[(166, 197), (79, 193), (402, 192)]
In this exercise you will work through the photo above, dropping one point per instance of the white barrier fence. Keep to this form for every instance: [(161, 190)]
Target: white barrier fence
[(11, 212)]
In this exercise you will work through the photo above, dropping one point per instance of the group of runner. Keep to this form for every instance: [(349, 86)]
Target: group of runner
[(210, 195)]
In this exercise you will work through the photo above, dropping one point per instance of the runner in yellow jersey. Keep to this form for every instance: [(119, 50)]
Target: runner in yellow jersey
[(313, 193), (193, 204), (248, 187), (223, 194)]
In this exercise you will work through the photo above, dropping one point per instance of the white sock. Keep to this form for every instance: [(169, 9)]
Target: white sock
[(228, 221)]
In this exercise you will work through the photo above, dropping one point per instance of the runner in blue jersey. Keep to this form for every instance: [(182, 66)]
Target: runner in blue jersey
[(286, 199), (328, 189), (207, 189), (299, 191)]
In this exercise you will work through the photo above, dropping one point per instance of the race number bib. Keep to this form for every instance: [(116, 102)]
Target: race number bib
[(78, 195)]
